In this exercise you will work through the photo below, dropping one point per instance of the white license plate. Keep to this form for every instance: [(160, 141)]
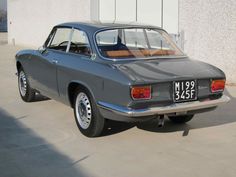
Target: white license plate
[(185, 90)]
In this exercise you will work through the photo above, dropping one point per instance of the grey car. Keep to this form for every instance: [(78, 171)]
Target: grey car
[(124, 72)]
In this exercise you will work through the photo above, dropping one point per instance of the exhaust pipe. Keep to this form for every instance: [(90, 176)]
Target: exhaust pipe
[(161, 121)]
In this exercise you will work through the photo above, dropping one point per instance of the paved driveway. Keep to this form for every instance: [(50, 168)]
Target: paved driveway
[(41, 139)]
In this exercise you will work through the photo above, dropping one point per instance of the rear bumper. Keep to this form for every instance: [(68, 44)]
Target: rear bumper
[(177, 108)]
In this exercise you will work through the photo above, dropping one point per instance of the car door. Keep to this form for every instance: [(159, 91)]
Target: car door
[(45, 64), (77, 63)]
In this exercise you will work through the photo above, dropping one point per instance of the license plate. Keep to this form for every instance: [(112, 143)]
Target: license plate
[(185, 90)]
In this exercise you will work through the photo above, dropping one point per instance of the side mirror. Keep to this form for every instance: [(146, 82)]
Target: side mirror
[(42, 49)]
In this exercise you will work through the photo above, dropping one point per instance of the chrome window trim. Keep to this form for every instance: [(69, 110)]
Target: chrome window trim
[(69, 41)]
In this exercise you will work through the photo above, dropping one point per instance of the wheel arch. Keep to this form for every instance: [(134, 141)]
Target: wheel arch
[(73, 86), (18, 65)]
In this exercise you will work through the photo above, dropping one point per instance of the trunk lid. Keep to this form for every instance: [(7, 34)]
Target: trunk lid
[(164, 70)]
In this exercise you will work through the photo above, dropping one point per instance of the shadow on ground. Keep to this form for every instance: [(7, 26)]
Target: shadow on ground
[(222, 115), (114, 127), (24, 154)]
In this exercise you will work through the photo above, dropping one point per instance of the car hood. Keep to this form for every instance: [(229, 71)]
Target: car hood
[(162, 70)]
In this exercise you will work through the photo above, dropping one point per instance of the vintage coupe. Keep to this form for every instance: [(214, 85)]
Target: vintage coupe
[(124, 72)]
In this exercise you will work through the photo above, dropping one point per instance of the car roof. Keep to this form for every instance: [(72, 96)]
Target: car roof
[(97, 25)]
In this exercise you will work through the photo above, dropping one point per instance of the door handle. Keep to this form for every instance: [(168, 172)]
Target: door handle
[(54, 61)]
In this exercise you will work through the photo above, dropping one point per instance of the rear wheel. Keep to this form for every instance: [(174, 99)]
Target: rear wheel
[(181, 119), (26, 92), (87, 116)]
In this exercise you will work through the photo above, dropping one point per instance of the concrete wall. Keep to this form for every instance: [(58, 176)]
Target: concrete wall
[(209, 32), (30, 21)]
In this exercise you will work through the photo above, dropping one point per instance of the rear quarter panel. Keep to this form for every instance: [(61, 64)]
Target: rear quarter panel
[(104, 82)]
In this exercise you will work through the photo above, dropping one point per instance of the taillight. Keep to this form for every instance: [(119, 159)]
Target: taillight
[(141, 92), (217, 85)]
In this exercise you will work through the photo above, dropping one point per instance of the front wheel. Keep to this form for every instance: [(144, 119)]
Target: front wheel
[(87, 116), (26, 92), (181, 119)]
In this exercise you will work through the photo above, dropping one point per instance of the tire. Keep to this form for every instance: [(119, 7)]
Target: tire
[(26, 92), (181, 119), (87, 115)]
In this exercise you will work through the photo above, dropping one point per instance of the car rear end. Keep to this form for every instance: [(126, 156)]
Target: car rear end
[(176, 91), (148, 101), (163, 80)]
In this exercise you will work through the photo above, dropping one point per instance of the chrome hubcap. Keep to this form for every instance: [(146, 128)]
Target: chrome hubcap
[(83, 110), (22, 83)]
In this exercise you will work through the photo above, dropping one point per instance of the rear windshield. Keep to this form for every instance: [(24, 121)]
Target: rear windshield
[(130, 43)]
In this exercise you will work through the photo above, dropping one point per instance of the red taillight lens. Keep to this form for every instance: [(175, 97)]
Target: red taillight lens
[(217, 85), (141, 92)]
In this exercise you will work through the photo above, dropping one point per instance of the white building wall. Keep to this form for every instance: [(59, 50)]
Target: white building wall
[(30, 21), (150, 12), (209, 31), (171, 16), (144, 11), (106, 10), (125, 10)]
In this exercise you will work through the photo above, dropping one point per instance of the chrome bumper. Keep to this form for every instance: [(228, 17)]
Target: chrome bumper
[(173, 108)]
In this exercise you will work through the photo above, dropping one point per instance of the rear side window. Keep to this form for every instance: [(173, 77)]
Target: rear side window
[(79, 43), (60, 39)]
